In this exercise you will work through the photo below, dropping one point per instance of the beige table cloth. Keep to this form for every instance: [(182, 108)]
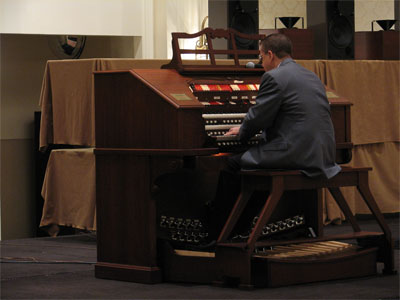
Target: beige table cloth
[(69, 189)]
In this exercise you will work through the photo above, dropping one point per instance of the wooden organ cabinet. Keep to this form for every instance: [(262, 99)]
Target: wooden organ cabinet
[(159, 150)]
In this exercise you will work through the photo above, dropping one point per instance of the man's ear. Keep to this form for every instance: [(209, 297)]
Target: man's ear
[(270, 54)]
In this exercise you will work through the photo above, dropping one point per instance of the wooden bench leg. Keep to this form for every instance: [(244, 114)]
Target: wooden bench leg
[(235, 214), (338, 196), (366, 194), (269, 207), (235, 262)]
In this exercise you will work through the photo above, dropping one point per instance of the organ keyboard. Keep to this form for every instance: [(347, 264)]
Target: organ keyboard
[(159, 140), (216, 125)]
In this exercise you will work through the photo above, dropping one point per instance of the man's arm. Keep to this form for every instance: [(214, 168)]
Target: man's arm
[(262, 115)]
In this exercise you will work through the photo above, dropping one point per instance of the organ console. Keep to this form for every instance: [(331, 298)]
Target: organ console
[(160, 145)]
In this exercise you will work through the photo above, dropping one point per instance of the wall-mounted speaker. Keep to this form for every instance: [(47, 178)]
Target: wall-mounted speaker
[(332, 22), (243, 17)]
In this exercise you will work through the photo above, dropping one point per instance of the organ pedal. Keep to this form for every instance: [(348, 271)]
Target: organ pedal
[(306, 250)]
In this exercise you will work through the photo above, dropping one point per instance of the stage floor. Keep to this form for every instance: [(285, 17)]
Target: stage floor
[(63, 268)]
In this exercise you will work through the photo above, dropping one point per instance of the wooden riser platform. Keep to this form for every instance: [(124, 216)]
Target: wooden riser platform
[(201, 267), (281, 272)]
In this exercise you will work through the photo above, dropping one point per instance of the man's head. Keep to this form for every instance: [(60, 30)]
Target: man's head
[(273, 49)]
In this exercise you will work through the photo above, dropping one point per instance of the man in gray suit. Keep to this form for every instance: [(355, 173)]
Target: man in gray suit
[(293, 113)]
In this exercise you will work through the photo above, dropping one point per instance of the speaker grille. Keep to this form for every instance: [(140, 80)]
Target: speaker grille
[(243, 17), (340, 32), (332, 22), (243, 22)]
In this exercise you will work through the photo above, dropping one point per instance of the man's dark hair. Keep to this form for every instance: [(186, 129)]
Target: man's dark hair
[(278, 43)]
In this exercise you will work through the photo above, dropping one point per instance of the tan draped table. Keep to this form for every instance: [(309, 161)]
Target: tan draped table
[(374, 89), (68, 118), (67, 98), (69, 190)]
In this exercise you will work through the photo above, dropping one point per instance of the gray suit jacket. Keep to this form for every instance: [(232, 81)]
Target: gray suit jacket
[(293, 112)]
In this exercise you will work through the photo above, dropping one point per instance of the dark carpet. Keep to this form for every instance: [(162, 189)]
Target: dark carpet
[(63, 268)]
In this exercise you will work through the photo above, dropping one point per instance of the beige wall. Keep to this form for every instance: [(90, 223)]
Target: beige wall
[(23, 59), (85, 17), (22, 63), (17, 189), (176, 16), (269, 9), (365, 11), (81, 17)]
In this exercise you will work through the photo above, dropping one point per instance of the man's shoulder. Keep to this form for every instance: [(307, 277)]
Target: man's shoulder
[(287, 68), (290, 67)]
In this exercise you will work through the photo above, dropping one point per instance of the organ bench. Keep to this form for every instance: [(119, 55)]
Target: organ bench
[(361, 261)]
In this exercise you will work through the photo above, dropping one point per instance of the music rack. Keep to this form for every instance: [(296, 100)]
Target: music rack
[(236, 55)]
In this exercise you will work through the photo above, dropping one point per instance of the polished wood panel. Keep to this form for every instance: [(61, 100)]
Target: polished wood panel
[(126, 224), (302, 40), (280, 272), (341, 120), (126, 209), (132, 112), (377, 45)]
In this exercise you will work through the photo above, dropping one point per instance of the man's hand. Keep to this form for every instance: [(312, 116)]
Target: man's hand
[(233, 131)]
